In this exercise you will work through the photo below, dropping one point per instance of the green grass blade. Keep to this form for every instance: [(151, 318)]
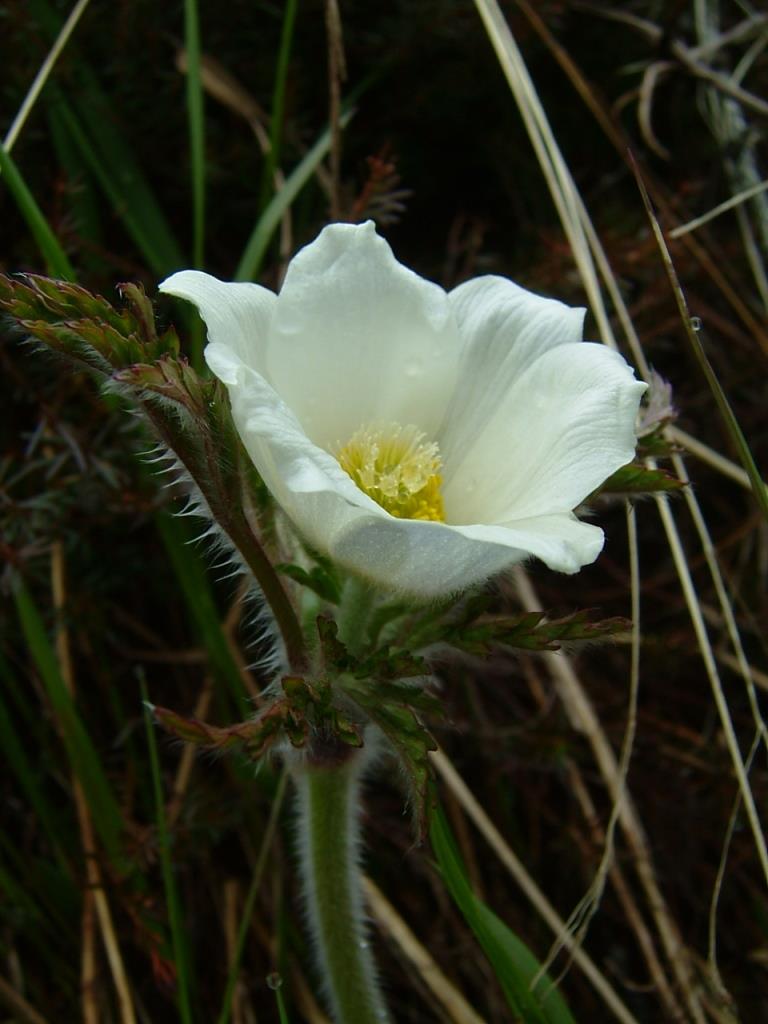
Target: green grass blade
[(56, 260), (278, 101), (257, 244), (196, 121), (111, 159), (126, 193), (83, 758), (282, 1012), (196, 588), (514, 964), (178, 934), (727, 414)]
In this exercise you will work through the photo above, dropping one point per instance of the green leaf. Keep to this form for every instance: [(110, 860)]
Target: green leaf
[(336, 658), (252, 739), (196, 121), (47, 242), (393, 711), (655, 444), (532, 631), (320, 578), (513, 962), (635, 478), (84, 326), (392, 663)]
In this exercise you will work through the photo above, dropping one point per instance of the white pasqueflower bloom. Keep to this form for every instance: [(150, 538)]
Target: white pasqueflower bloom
[(425, 440)]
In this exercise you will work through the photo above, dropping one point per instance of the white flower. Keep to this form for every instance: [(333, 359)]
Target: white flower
[(425, 440)]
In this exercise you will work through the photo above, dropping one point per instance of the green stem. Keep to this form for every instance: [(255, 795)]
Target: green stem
[(329, 836), (357, 602)]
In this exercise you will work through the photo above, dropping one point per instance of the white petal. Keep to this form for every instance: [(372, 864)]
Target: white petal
[(237, 314), (418, 558), (357, 338), (564, 426), (503, 328), (432, 559), (294, 469)]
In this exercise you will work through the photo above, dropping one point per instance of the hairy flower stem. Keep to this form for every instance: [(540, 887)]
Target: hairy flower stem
[(234, 521), (329, 837)]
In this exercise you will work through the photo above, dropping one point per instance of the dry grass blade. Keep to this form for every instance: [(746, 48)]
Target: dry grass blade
[(225, 89), (716, 211), (708, 455), (740, 661), (17, 1004), (724, 83), (455, 1006), (558, 177), (584, 719), (336, 74), (577, 226), (529, 888), (694, 609), (43, 74), (692, 333), (714, 970), (188, 757), (624, 892), (580, 918), (95, 883), (620, 141)]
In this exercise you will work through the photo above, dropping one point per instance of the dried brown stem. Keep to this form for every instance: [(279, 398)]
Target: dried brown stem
[(336, 74), (94, 882)]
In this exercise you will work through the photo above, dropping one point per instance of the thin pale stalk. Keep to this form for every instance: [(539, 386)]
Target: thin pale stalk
[(15, 1001), (456, 1008), (336, 72), (582, 714), (196, 127), (581, 916), (95, 894), (43, 73), (731, 424), (530, 889)]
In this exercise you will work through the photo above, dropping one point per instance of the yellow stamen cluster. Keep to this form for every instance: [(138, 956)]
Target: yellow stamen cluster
[(398, 468)]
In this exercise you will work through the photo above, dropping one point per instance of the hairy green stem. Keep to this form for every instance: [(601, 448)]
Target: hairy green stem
[(233, 520), (329, 837)]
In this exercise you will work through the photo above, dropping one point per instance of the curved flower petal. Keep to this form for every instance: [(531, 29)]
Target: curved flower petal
[(419, 558), (357, 338), (432, 559), (293, 468), (237, 314), (504, 328), (563, 427), (414, 557), (530, 418)]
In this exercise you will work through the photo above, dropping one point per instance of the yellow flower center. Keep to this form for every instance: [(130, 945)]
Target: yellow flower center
[(398, 468)]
